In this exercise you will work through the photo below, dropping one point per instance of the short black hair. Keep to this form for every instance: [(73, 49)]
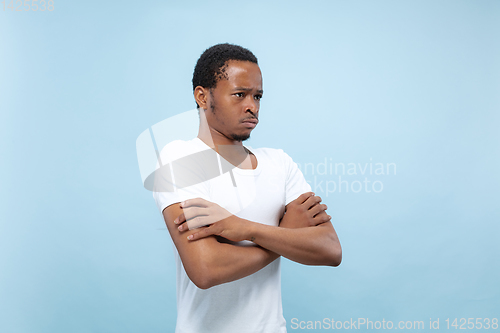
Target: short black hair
[(211, 65)]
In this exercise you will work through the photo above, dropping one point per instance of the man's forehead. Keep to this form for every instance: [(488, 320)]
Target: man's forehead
[(237, 72)]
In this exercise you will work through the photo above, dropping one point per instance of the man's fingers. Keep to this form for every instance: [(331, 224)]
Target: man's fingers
[(188, 214), (202, 233), (303, 197), (312, 201), (194, 202), (300, 199), (180, 219), (194, 211), (196, 222), (322, 218), (318, 209)]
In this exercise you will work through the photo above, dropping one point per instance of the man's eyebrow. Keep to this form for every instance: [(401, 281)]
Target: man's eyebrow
[(260, 91)]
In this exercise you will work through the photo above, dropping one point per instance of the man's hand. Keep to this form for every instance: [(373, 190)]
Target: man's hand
[(305, 211), (232, 228), (198, 213), (216, 221)]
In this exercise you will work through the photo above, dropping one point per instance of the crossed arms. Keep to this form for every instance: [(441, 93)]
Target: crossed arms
[(305, 235)]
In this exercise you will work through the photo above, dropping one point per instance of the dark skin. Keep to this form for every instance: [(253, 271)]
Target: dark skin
[(306, 235)]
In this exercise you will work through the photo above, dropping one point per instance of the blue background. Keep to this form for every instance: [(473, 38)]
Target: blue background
[(83, 247)]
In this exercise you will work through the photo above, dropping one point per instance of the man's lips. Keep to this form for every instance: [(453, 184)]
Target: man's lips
[(252, 122)]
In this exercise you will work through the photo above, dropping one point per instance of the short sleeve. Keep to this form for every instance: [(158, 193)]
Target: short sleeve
[(183, 174), (295, 181)]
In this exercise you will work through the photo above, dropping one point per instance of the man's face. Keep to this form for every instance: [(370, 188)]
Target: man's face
[(233, 105)]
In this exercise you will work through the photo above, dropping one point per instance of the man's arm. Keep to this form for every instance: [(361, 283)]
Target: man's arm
[(208, 262), (317, 242), (305, 235), (317, 245)]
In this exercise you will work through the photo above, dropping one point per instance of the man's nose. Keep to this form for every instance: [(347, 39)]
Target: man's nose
[(252, 106)]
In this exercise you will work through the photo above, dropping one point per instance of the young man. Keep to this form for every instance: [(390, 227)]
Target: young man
[(230, 231)]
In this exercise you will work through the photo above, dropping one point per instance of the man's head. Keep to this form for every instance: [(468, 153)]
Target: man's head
[(227, 84), (210, 67)]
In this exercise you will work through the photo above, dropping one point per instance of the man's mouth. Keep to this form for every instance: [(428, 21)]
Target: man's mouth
[(251, 120), (251, 123)]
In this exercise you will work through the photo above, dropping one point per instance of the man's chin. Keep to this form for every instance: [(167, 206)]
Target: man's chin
[(240, 137)]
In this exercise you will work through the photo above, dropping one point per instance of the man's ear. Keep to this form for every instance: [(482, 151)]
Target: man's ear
[(201, 96)]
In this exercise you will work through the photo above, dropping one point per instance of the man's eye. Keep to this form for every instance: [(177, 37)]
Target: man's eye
[(240, 94), (258, 97)]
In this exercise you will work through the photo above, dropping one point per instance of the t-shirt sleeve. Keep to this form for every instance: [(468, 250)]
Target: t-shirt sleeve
[(182, 176), (295, 181)]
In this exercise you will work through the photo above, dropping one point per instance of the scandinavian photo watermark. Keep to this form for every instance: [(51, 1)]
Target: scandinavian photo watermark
[(28, 5), (368, 324), (328, 177)]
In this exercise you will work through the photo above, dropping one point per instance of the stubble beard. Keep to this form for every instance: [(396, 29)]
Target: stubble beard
[(235, 137)]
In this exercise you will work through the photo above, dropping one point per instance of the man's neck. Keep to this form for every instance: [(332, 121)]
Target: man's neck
[(214, 139), (232, 151)]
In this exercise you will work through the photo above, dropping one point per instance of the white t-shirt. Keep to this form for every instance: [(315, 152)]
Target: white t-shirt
[(251, 304)]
